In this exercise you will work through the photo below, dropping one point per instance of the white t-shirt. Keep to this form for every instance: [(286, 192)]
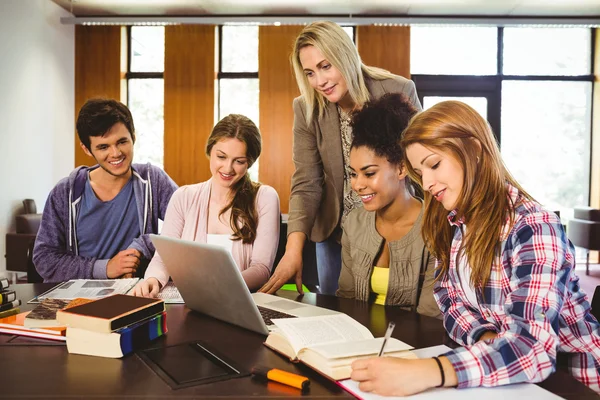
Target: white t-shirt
[(223, 240), (464, 274)]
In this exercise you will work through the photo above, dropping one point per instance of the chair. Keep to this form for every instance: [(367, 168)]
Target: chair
[(596, 303), (309, 258), (584, 231), (32, 274), (17, 243)]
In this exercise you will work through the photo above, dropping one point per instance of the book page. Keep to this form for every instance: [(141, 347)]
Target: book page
[(305, 332), (87, 288), (359, 348), (516, 391)]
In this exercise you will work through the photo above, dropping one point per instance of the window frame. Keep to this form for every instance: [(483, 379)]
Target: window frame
[(137, 75), (490, 87)]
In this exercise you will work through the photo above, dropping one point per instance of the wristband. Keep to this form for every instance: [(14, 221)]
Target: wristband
[(439, 363)]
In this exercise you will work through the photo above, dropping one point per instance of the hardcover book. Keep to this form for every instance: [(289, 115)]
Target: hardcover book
[(330, 343), (15, 325), (8, 306), (4, 283), (44, 314), (10, 312), (110, 313), (7, 296), (118, 343)]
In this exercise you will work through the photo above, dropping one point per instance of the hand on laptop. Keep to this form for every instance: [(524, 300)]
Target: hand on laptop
[(147, 288), (289, 267), (125, 262)]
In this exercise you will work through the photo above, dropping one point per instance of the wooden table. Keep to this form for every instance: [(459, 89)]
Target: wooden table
[(36, 369)]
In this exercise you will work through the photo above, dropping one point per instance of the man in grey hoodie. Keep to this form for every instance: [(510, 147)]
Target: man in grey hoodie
[(97, 220)]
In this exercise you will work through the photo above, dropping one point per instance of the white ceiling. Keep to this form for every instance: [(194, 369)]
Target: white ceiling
[(401, 8)]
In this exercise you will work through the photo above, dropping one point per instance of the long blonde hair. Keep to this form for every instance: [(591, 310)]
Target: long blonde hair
[(455, 128), (337, 47)]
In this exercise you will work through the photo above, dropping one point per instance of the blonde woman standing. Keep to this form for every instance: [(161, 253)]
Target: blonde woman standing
[(333, 83)]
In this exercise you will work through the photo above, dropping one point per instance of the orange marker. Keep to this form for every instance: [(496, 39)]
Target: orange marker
[(280, 376)]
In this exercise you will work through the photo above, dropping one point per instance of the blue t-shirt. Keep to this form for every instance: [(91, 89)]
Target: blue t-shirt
[(106, 227)]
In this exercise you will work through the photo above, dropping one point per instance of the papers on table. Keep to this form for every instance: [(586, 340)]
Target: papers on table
[(517, 391), (170, 294), (87, 288)]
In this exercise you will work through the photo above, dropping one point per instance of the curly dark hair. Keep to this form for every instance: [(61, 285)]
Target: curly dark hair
[(378, 126)]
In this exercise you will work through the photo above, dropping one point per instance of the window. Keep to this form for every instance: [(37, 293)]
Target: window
[(547, 146), (145, 91), (238, 75), (547, 51), (534, 85), (453, 50)]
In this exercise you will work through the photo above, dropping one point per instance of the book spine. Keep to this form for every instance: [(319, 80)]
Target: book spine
[(8, 313), (139, 335), (10, 305), (7, 296), (4, 283)]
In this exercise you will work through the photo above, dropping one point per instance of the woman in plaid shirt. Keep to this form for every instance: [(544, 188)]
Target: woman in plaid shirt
[(505, 284)]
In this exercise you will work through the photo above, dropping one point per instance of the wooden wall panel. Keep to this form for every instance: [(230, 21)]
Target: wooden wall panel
[(386, 47), (97, 70), (278, 89), (189, 100)]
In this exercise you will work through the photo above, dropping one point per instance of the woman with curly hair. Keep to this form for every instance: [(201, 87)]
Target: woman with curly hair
[(383, 255)]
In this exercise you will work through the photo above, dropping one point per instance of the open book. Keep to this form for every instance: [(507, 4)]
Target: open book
[(330, 343)]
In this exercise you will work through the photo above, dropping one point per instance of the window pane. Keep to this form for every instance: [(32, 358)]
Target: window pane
[(546, 140), (146, 99), (147, 49), (350, 31), (240, 96), (547, 51), (478, 103), (240, 49), (453, 50)]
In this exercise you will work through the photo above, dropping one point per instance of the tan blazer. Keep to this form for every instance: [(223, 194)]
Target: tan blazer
[(318, 181)]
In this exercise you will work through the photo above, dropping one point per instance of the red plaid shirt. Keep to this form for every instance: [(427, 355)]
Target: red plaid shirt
[(532, 301)]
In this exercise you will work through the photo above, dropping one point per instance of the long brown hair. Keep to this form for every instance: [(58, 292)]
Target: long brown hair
[(454, 128), (242, 204)]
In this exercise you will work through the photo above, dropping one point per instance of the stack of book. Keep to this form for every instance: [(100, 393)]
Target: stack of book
[(9, 304), (113, 326), (41, 321)]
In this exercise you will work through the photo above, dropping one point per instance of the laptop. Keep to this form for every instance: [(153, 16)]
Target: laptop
[(211, 283)]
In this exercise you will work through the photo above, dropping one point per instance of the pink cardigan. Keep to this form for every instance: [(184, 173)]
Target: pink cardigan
[(186, 218)]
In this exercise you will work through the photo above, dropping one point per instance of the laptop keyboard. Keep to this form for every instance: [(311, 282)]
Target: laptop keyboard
[(267, 314)]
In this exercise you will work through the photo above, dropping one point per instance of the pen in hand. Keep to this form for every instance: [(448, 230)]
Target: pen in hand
[(388, 334)]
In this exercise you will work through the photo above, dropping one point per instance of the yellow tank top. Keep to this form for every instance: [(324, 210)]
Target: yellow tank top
[(379, 283)]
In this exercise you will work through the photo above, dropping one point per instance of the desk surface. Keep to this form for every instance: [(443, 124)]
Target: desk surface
[(33, 369)]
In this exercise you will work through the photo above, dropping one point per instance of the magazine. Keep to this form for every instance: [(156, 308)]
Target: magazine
[(170, 294), (87, 288)]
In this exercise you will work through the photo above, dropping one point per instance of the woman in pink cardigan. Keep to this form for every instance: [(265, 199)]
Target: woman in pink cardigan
[(227, 210)]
